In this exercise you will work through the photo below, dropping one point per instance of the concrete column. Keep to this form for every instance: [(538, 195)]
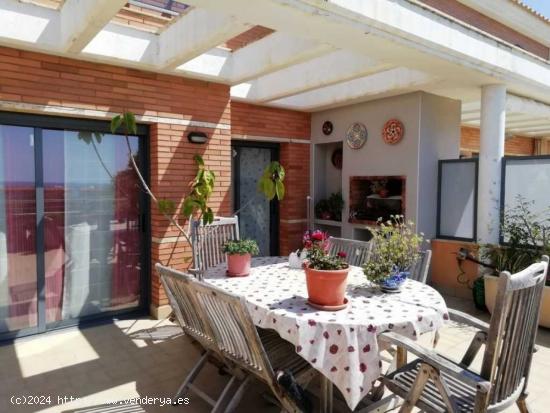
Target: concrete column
[(491, 151)]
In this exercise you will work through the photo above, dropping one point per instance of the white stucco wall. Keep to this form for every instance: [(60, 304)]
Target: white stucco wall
[(432, 132)]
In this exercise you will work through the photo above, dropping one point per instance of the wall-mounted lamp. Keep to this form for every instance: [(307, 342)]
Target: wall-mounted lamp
[(197, 137)]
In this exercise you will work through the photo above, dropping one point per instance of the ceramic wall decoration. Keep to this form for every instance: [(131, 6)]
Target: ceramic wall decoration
[(393, 131), (356, 135), (327, 127)]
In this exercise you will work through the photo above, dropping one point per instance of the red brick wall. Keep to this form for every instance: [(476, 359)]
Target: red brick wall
[(516, 145), (254, 120), (247, 119), (50, 80), (474, 18)]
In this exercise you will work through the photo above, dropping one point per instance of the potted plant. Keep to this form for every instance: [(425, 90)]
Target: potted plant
[(331, 208), (326, 276), (526, 236), (396, 249), (239, 255)]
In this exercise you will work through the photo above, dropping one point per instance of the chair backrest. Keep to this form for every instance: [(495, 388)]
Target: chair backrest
[(185, 306), (233, 330), (420, 269), (209, 239), (512, 331), (357, 251)]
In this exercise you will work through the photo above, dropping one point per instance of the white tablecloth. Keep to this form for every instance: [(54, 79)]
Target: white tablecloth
[(342, 345)]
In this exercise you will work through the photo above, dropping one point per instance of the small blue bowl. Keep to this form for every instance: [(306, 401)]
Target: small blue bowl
[(393, 283)]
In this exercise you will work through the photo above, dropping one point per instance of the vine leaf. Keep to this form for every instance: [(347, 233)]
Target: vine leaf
[(271, 183)]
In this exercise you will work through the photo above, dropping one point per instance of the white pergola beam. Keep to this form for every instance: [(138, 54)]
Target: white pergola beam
[(527, 123), (335, 67), (386, 83), (541, 134), (82, 20), (195, 33), (271, 53), (530, 107), (528, 129)]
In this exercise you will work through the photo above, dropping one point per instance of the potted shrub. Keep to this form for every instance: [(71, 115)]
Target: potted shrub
[(326, 276), (239, 255), (526, 236), (396, 249), (331, 208)]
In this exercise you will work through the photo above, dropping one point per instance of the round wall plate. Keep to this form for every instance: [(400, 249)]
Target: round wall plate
[(327, 127), (393, 131), (356, 135)]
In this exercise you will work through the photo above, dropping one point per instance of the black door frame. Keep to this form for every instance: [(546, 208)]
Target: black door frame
[(38, 123), (273, 205)]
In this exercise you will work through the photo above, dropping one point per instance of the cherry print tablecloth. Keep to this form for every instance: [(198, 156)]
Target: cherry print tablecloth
[(342, 345)]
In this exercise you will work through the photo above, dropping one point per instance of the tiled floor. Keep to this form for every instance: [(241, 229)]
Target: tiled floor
[(107, 363)]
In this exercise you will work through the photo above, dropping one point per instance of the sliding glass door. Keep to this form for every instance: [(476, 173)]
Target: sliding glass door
[(71, 225), (18, 275)]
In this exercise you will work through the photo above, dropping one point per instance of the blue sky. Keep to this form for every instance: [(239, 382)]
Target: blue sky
[(542, 6)]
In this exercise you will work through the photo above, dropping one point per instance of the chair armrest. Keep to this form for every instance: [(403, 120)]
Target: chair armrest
[(435, 360), (464, 318)]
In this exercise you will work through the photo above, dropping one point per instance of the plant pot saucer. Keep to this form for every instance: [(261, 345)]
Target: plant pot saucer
[(230, 274), (328, 307)]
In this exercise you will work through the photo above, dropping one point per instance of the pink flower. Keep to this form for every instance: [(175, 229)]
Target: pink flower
[(342, 254), (318, 236), (308, 244)]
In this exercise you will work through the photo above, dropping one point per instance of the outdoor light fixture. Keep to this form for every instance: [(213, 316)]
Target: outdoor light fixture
[(197, 137)]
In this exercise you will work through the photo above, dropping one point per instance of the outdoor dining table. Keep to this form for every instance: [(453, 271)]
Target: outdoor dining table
[(341, 345)]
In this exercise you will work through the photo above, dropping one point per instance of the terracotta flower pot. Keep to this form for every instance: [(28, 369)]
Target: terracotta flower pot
[(238, 265), (326, 287)]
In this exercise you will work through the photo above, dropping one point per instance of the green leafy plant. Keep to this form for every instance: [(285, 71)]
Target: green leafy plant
[(271, 183), (241, 247), (396, 248), (526, 236), (316, 247), (335, 205), (201, 187)]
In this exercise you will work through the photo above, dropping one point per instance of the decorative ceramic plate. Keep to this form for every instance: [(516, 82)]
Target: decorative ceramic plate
[(356, 135), (393, 131), (327, 127)]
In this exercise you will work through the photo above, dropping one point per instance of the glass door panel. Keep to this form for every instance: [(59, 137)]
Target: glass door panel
[(18, 272), (257, 216), (92, 229)]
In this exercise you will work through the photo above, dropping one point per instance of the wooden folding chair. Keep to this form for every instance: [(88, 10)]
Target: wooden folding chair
[(208, 241), (178, 287), (357, 252), (239, 342), (437, 384), (421, 268)]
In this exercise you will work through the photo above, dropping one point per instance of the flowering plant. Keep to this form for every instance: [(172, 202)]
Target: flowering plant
[(316, 246), (396, 249)]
